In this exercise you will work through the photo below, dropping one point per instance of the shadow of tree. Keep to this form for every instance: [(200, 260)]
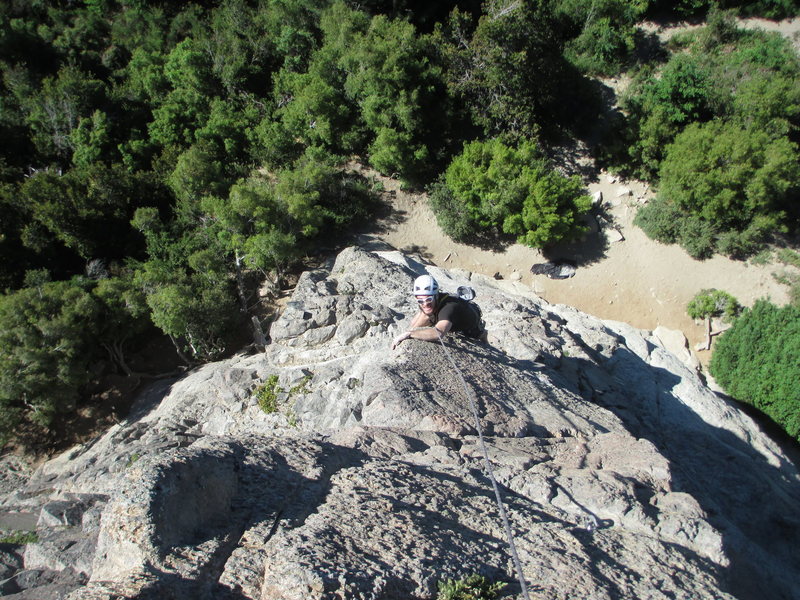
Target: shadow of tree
[(592, 249)]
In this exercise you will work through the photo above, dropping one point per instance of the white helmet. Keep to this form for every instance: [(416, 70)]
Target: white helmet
[(425, 285)]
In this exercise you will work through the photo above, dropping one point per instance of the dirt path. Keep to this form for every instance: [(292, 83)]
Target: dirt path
[(635, 280)]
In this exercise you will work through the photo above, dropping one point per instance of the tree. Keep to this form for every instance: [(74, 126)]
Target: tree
[(757, 361), (198, 171), (604, 32), (509, 69), (729, 175), (46, 348), (54, 112), (86, 210), (665, 102), (186, 284), (711, 303), (513, 190), (124, 316), (91, 140), (185, 108)]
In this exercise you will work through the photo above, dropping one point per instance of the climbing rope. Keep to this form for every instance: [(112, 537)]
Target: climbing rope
[(509, 535)]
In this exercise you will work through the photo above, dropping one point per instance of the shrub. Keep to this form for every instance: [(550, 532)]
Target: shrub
[(757, 361), (789, 257), (267, 394), (20, 538), (493, 187), (729, 175), (451, 214), (741, 244), (697, 237), (472, 587), (660, 220), (46, 350)]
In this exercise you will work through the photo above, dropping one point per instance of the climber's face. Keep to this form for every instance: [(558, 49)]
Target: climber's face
[(426, 304)]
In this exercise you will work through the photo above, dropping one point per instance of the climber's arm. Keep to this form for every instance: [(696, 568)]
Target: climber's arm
[(432, 334), (421, 330)]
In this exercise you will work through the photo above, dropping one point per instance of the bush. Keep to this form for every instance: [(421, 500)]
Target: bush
[(606, 35), (473, 587), (697, 237), (660, 220), (267, 395), (452, 215), (757, 361), (731, 176), (492, 187), (742, 244), (46, 349)]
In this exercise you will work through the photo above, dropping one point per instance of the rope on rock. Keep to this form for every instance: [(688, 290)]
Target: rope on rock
[(470, 394)]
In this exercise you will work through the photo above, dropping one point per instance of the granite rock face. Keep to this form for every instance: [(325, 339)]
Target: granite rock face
[(622, 474)]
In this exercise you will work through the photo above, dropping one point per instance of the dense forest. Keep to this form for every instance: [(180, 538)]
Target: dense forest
[(161, 160)]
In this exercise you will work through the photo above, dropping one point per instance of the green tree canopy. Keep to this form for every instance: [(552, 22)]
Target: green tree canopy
[(46, 346), (729, 175), (492, 186), (509, 69), (757, 361), (713, 303), (603, 32)]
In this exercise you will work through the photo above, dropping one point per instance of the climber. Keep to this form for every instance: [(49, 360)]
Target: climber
[(440, 314)]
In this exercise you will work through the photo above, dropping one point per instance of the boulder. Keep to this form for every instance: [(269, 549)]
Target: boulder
[(622, 474)]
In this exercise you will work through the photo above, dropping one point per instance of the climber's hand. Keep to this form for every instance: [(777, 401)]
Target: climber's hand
[(400, 338)]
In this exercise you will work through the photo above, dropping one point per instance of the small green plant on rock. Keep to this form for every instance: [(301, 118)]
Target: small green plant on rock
[(472, 587), (301, 387), (20, 538), (267, 394)]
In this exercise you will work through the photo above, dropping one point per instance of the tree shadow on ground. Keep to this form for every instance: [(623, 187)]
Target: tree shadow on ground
[(591, 249)]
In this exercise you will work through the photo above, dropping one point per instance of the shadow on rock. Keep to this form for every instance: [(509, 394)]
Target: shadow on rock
[(750, 501)]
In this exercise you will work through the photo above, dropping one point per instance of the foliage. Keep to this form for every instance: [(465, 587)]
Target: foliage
[(493, 186), (716, 125), (452, 215), (713, 303), (86, 211), (723, 188), (46, 348), (697, 237), (757, 361), (604, 32), (472, 587), (20, 538), (788, 257), (509, 69), (660, 219), (267, 394), (724, 73), (660, 106), (729, 175), (373, 86), (186, 284), (770, 9)]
